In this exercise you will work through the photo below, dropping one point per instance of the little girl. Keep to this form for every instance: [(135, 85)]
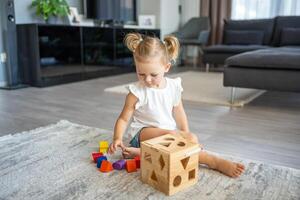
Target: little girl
[(154, 103)]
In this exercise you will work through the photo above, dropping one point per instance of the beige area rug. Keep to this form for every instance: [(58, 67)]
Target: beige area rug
[(205, 88), (53, 162)]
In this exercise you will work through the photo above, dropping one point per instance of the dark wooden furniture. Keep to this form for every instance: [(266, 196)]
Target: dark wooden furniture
[(55, 54)]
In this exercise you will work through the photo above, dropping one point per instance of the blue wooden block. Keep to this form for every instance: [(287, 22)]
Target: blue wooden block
[(99, 160)]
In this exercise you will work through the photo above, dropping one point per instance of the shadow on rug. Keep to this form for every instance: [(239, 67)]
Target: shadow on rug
[(53, 162), (205, 87)]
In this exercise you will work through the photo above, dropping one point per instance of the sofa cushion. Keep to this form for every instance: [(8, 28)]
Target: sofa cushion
[(233, 48), (284, 22), (243, 37), (290, 36), (265, 25), (274, 58)]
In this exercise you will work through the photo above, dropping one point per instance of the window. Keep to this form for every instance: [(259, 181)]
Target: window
[(255, 9)]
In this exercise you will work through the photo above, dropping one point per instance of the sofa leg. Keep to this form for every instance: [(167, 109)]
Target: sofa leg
[(232, 95), (207, 67)]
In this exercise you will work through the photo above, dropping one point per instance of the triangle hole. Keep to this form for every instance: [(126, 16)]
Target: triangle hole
[(184, 162)]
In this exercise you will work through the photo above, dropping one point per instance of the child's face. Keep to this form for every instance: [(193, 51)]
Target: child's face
[(151, 73)]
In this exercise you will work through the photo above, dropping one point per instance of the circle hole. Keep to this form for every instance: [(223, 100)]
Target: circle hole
[(177, 181)]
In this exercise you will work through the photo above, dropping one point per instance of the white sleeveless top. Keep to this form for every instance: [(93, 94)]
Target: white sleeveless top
[(154, 106)]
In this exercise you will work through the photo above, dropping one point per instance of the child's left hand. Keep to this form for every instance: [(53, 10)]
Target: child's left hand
[(114, 145)]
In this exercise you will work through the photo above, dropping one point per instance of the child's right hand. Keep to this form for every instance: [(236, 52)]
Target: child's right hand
[(114, 145)]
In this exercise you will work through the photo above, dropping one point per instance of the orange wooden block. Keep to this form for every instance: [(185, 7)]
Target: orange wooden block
[(106, 166), (137, 161), (131, 165)]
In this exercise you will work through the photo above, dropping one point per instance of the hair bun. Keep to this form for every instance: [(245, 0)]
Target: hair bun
[(172, 45), (132, 41)]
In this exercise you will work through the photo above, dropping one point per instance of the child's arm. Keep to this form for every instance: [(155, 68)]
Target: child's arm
[(182, 123), (180, 118), (122, 122)]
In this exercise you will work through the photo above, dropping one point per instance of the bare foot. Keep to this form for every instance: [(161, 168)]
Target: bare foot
[(131, 152), (226, 167), (229, 168)]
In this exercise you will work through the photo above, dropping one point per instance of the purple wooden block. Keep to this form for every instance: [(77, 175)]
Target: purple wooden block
[(120, 164)]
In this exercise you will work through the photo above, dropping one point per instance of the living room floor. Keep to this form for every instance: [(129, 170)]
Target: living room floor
[(267, 129)]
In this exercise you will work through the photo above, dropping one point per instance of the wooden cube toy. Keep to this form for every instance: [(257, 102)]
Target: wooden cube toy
[(103, 146), (169, 163)]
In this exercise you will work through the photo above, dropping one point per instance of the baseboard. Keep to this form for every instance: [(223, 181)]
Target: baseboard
[(5, 86)]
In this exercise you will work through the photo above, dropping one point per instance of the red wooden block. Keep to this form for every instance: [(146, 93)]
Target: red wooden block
[(96, 155), (130, 165), (106, 166), (137, 161)]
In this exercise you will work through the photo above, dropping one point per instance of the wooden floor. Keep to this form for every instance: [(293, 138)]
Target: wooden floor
[(267, 129)]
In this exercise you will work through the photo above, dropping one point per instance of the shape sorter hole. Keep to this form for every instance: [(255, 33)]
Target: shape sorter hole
[(177, 181), (161, 162), (192, 174), (165, 144), (181, 144), (153, 176), (147, 157), (169, 139), (184, 162)]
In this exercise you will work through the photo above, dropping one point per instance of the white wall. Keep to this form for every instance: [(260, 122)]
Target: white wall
[(189, 9), (169, 16), (165, 11), (151, 7)]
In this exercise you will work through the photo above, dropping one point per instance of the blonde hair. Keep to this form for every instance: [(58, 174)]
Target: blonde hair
[(145, 47)]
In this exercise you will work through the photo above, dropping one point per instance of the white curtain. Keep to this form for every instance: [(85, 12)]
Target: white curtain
[(257, 9)]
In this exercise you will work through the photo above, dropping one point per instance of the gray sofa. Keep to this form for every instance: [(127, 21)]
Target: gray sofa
[(269, 69), (240, 36), (275, 66)]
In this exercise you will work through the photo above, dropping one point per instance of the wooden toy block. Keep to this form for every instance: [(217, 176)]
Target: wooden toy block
[(96, 155), (169, 163), (137, 161), (120, 164), (103, 150), (100, 159), (103, 146), (106, 166), (131, 165)]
